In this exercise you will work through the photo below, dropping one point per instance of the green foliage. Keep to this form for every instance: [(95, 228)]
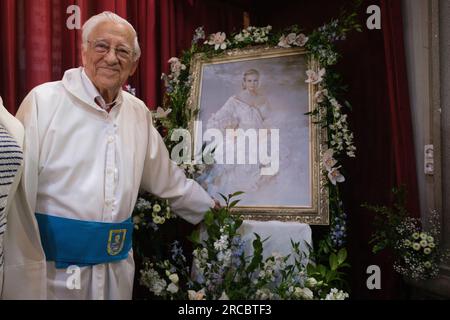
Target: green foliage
[(417, 251), (386, 221)]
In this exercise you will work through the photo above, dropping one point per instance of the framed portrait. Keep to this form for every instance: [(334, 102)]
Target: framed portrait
[(252, 125)]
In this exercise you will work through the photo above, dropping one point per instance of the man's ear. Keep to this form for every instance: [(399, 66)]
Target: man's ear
[(134, 67), (83, 55)]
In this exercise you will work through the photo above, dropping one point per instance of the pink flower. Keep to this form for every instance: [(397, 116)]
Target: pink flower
[(315, 77), (300, 40), (335, 176), (328, 159), (320, 95), (283, 42), (217, 40)]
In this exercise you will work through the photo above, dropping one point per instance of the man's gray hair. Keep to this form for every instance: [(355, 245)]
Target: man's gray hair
[(93, 21)]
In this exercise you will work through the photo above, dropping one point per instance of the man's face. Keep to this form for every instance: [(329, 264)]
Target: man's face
[(107, 70)]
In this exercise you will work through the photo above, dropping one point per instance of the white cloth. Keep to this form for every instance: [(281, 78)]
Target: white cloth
[(279, 235), (24, 262), (84, 163)]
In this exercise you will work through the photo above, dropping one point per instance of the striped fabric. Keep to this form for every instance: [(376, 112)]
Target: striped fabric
[(10, 161)]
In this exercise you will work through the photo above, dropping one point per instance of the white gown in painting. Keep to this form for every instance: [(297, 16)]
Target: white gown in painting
[(228, 178)]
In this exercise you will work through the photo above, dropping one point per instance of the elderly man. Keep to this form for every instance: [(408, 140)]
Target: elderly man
[(89, 147)]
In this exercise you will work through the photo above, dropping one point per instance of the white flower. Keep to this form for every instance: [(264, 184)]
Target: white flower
[(136, 219), (158, 220), (335, 176), (427, 250), (151, 279), (430, 239), (196, 295), (222, 243), (336, 294), (172, 288), (300, 40), (290, 38), (423, 243), (416, 235), (423, 235), (416, 246), (161, 113), (224, 257), (328, 159), (282, 42), (217, 40), (263, 294), (130, 89), (320, 95), (224, 296), (315, 77), (174, 278), (303, 293), (156, 208), (239, 37), (311, 282), (143, 204), (175, 67), (199, 34)]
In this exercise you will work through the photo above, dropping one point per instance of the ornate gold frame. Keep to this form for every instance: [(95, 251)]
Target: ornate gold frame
[(318, 213)]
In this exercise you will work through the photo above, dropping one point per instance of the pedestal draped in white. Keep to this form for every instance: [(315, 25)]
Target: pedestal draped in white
[(279, 236)]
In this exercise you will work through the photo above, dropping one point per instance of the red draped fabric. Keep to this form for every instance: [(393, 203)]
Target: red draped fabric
[(397, 88), (36, 45)]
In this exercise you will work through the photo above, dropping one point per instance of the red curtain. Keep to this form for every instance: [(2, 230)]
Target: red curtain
[(397, 85), (36, 45)]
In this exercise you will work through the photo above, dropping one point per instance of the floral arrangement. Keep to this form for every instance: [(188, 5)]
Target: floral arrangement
[(417, 250), (221, 269)]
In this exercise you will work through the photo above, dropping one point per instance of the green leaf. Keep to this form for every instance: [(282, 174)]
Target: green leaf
[(224, 197), (342, 255), (237, 193), (333, 262), (194, 237), (235, 202), (257, 254), (322, 270)]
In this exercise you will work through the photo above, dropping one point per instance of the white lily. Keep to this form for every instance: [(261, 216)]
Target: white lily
[(161, 113), (315, 77), (224, 296), (328, 159), (320, 95), (300, 40), (196, 295), (282, 42), (335, 176), (217, 40)]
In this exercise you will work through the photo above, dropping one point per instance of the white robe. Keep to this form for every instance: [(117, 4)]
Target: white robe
[(83, 163), (30, 261)]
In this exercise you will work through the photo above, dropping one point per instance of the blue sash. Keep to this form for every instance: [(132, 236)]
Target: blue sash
[(83, 243)]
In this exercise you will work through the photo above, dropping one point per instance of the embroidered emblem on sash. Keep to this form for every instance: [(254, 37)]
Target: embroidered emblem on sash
[(116, 241)]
